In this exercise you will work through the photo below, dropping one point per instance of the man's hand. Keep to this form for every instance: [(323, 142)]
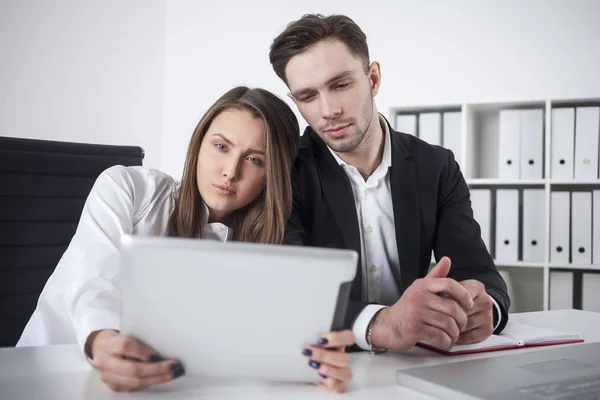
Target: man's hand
[(422, 314), (126, 364), (480, 318)]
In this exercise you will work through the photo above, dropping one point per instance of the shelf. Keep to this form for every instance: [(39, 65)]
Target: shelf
[(505, 182), (520, 264), (574, 182), (583, 267), (529, 182)]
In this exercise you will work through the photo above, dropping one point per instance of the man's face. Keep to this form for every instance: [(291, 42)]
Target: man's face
[(334, 93)]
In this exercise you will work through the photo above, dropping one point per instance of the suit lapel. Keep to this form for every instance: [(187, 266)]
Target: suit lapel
[(405, 198), (337, 191)]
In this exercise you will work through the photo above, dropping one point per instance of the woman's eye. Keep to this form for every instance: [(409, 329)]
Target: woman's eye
[(220, 146), (255, 160)]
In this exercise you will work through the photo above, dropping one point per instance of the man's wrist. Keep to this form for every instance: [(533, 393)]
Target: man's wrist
[(379, 329)]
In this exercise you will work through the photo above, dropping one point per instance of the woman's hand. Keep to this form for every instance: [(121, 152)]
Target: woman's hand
[(330, 360), (126, 364)]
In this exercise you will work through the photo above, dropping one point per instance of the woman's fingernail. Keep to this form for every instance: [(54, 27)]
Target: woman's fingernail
[(307, 352), (322, 341), (314, 364), (155, 358), (177, 370), (323, 376)]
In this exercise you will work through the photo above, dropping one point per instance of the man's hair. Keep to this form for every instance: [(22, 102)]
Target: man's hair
[(301, 35)]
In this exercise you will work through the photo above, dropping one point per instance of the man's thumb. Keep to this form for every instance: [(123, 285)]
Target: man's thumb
[(441, 269)]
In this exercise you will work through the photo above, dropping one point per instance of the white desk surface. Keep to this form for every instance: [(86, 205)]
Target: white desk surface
[(61, 372)]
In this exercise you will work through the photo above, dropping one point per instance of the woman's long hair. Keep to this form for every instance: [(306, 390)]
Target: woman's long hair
[(264, 219)]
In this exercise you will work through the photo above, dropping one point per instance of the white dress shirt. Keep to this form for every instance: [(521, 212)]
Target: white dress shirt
[(83, 295), (379, 251)]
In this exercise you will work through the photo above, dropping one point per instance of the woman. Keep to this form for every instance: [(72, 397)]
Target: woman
[(236, 186)]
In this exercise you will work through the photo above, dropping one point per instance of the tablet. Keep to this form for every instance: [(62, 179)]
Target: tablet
[(234, 310)]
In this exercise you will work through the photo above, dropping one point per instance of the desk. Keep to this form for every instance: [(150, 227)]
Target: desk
[(61, 372)]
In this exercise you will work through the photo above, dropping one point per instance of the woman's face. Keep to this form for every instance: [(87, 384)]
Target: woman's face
[(231, 163)]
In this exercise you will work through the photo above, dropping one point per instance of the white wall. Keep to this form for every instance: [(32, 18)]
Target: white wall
[(144, 71), (431, 52), (83, 71)]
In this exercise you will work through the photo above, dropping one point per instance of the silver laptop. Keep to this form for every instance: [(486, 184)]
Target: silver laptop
[(234, 310), (565, 372)]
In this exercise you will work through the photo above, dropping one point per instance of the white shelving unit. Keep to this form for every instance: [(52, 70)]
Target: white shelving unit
[(477, 149)]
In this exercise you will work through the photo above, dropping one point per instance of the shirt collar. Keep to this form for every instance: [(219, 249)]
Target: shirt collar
[(215, 230)]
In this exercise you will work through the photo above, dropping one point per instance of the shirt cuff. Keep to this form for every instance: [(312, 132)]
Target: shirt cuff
[(498, 311), (94, 321), (361, 323)]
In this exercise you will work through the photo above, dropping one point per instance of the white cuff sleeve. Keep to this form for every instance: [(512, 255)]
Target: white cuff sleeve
[(95, 321), (498, 311), (361, 323)]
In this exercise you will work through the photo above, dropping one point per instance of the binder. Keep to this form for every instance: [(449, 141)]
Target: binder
[(532, 144), (407, 123), (507, 225), (452, 135), (587, 128), (581, 227), (430, 126), (561, 290), (481, 203), (590, 296), (562, 143), (596, 227), (560, 204), (509, 145), (533, 225)]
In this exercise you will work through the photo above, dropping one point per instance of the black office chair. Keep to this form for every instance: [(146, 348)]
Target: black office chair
[(43, 187)]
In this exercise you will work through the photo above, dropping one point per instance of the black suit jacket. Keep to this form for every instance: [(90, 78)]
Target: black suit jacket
[(432, 210)]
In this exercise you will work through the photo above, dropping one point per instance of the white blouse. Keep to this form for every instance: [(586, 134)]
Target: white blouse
[(82, 295)]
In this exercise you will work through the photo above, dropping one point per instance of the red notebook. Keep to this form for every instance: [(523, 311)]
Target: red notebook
[(515, 335)]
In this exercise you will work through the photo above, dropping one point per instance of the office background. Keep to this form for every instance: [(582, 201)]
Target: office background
[(142, 72)]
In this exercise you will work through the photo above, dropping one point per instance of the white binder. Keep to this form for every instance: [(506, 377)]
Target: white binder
[(590, 296), (481, 202), (452, 135), (561, 290), (560, 222), (581, 227), (430, 125), (507, 225), (509, 145), (533, 225), (587, 129), (562, 143), (407, 123), (596, 228), (532, 144)]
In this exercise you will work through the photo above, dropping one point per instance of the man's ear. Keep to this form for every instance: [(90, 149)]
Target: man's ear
[(374, 75)]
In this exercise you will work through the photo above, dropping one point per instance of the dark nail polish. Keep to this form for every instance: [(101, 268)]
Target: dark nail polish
[(307, 352), (155, 358), (322, 341), (177, 370), (323, 376), (314, 364)]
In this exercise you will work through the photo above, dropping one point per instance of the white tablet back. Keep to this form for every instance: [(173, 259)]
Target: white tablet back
[(234, 309)]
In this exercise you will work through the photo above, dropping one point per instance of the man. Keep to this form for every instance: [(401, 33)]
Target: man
[(393, 198)]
